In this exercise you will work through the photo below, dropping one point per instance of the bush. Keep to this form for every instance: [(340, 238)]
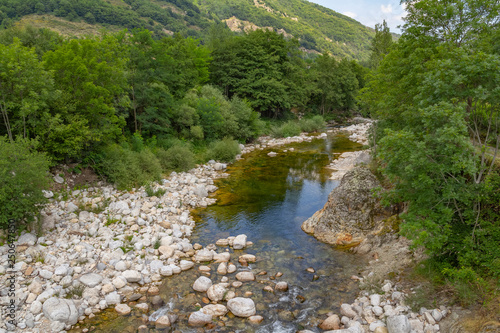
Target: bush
[(23, 175), (290, 128), (177, 158), (311, 125), (224, 150), (127, 168)]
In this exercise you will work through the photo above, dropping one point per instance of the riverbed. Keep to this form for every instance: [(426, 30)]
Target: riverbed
[(266, 198)]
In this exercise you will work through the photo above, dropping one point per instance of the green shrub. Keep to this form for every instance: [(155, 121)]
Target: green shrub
[(319, 122), (23, 175), (290, 128), (177, 158), (152, 193), (127, 168), (311, 125), (224, 150)]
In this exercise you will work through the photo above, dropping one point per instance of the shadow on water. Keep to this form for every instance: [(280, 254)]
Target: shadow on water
[(267, 199)]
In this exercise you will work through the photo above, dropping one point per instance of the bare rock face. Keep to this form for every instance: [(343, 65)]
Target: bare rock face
[(350, 213)]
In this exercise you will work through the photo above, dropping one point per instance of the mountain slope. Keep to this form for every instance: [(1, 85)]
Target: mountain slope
[(317, 28)]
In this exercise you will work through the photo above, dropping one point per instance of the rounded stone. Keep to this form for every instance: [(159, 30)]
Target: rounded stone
[(123, 309), (202, 284), (199, 319), (241, 307)]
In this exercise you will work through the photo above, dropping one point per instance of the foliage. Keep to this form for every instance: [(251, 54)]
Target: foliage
[(23, 176), (312, 124), (381, 44), (25, 88), (436, 98), (288, 129), (91, 75), (176, 158), (127, 168), (154, 193), (224, 150)]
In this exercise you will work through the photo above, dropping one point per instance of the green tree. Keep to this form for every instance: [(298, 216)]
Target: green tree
[(437, 102), (91, 74), (24, 89), (381, 44)]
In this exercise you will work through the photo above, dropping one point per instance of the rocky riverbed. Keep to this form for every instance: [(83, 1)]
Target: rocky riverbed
[(101, 248)]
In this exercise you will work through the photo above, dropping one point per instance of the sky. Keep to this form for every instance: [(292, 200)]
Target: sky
[(368, 12)]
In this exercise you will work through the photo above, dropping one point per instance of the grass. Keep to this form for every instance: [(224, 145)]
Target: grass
[(110, 220), (75, 292), (152, 193), (64, 27), (157, 244), (39, 257)]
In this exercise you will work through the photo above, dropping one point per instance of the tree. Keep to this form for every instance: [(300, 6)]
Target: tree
[(381, 44), (91, 75), (24, 89), (437, 102)]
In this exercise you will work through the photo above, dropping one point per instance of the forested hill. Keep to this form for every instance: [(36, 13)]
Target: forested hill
[(317, 28)]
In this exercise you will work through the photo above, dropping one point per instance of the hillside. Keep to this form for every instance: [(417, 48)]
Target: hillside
[(317, 28)]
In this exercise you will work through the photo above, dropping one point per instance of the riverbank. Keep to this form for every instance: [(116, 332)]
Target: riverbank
[(102, 247)]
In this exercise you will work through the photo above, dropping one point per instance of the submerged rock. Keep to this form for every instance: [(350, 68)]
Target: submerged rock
[(241, 307)]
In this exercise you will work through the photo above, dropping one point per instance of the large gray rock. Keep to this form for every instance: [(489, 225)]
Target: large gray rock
[(398, 324), (351, 211), (63, 310), (27, 239), (241, 307)]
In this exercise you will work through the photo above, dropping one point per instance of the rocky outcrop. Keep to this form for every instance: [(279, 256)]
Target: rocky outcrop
[(351, 211)]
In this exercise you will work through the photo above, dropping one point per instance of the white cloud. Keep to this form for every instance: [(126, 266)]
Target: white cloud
[(350, 14), (386, 9)]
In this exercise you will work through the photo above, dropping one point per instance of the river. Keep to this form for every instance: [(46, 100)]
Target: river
[(266, 198)]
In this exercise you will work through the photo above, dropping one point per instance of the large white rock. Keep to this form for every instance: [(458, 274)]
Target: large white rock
[(204, 255), (91, 279), (185, 265), (63, 310), (202, 284), (245, 276), (132, 276), (241, 307), (216, 292), (199, 318), (240, 242), (398, 324), (215, 310)]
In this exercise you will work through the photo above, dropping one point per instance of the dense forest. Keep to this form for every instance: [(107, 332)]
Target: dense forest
[(134, 107), (317, 29)]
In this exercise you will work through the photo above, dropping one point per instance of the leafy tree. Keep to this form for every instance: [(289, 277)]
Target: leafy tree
[(91, 75), (24, 89), (381, 44), (437, 101)]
